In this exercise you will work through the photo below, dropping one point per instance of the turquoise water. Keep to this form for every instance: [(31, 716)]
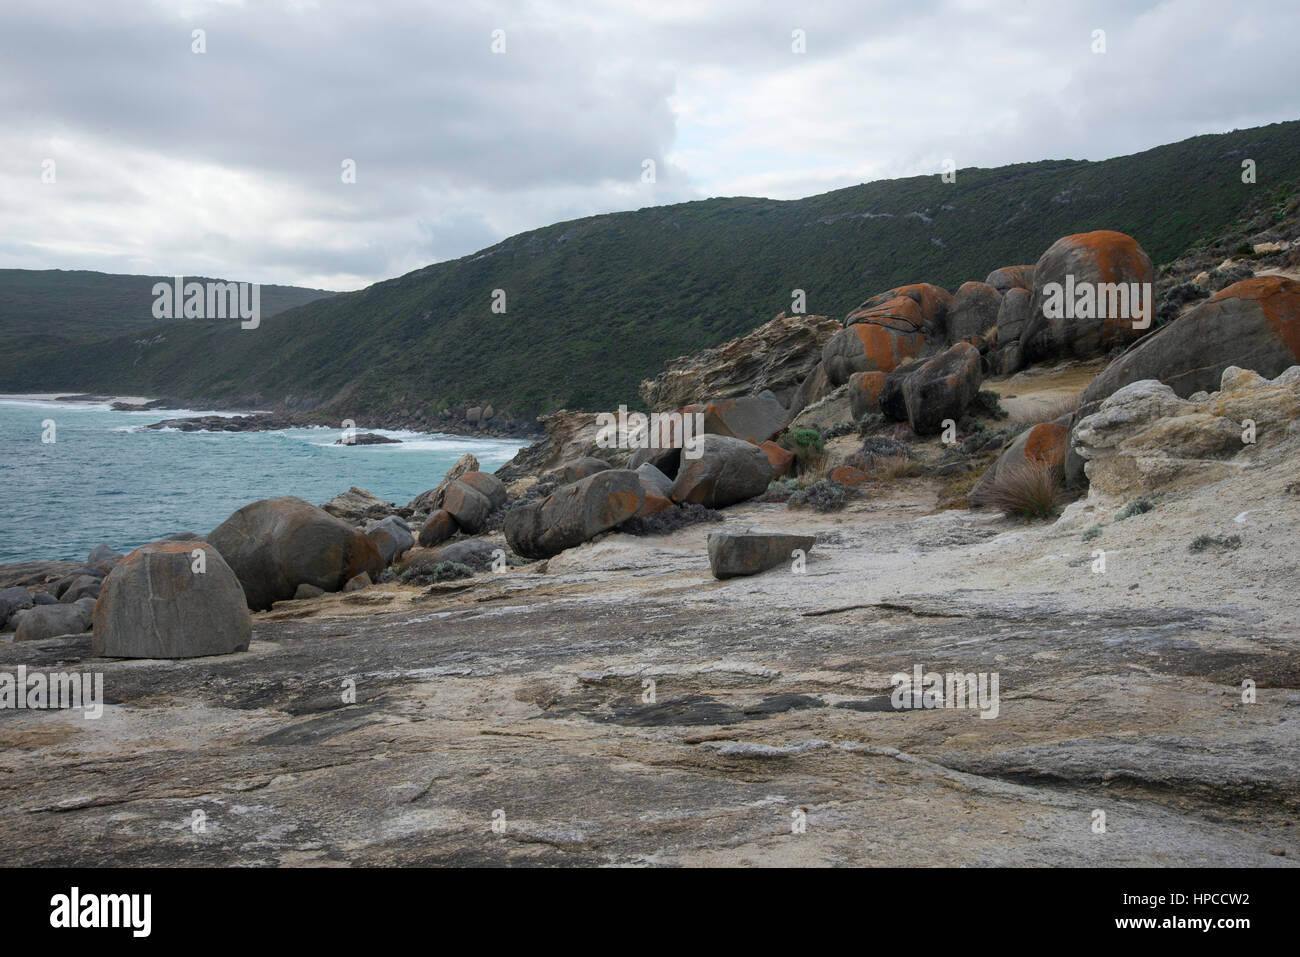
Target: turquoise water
[(106, 478)]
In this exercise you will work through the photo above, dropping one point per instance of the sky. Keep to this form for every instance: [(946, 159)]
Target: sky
[(129, 143)]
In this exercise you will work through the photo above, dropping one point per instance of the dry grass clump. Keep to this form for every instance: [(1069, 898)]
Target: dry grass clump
[(1028, 490), (954, 492)]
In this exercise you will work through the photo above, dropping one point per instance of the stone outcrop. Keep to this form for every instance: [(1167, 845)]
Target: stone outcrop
[(1011, 277), (431, 501), (569, 436), (1145, 439), (864, 392), (358, 506), (392, 536), (779, 356), (275, 544), (158, 604)]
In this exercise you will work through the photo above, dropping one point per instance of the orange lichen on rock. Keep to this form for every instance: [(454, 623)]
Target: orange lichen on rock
[(848, 475), (887, 346), (1046, 444), (782, 460), (1279, 298)]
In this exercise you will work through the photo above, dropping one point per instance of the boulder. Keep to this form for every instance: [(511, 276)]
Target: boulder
[(358, 506), (392, 536), (728, 471), (732, 554), (103, 558), (12, 600), (1102, 262), (782, 460), (82, 586), (304, 591), (468, 506), (943, 387), (931, 302), (51, 621), (576, 469), (44, 598), (654, 503), (1011, 277), (440, 527), (275, 544), (974, 311), (1253, 324), (431, 500), (754, 418), (155, 605), (864, 392), (879, 343), (358, 582), (1042, 445), (1013, 315), (578, 512), (487, 485)]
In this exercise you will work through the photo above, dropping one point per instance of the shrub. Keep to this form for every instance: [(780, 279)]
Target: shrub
[(823, 496), (1201, 542), (1090, 534), (986, 403), (670, 520), (1139, 506), (877, 447), (1028, 490), (806, 444), (427, 573)]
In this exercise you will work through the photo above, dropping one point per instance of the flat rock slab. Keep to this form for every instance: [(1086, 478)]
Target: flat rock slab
[(732, 555)]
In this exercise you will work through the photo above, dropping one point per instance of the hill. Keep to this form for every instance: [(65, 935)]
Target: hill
[(68, 307), (597, 304)]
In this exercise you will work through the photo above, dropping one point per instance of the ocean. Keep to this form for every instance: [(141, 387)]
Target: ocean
[(107, 478)]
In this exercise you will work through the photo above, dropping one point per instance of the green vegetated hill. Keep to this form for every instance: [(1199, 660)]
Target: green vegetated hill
[(597, 304), (67, 307)]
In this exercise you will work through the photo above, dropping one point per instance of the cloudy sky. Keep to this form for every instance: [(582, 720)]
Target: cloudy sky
[(230, 162)]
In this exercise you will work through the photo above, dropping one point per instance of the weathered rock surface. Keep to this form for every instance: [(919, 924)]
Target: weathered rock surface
[(103, 558), (831, 411), (156, 605), (779, 355), (83, 586), (578, 512), (275, 544), (864, 392), (879, 343), (569, 436), (727, 471), (733, 554), (487, 485)]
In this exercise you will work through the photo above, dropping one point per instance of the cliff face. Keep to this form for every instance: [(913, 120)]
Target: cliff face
[(778, 355)]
